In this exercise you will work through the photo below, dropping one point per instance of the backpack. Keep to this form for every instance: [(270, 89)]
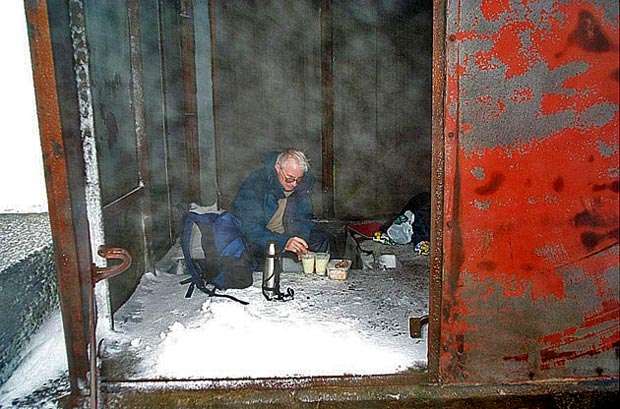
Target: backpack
[(214, 253)]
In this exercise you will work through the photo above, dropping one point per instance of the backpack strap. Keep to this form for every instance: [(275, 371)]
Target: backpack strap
[(205, 224), (187, 223), (210, 292)]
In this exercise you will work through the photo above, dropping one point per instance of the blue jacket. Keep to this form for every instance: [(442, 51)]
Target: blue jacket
[(257, 201)]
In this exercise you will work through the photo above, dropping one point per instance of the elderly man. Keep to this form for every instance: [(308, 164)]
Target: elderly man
[(274, 203)]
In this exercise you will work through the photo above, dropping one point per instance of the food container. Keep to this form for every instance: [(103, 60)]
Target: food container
[(338, 269)]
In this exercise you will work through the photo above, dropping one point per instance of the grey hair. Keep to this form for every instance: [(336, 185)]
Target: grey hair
[(296, 155)]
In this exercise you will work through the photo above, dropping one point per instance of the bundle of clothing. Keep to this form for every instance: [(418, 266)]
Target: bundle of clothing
[(410, 226)]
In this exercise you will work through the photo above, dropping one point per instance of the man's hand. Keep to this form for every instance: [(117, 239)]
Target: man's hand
[(297, 245)]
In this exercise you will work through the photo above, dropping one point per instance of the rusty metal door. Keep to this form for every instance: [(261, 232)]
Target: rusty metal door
[(530, 275)]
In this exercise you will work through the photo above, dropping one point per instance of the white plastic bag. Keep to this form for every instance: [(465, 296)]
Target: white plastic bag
[(401, 230)]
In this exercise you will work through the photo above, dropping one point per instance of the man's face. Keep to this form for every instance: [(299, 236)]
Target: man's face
[(290, 174)]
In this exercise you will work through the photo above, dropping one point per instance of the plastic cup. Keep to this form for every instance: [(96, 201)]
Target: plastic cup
[(321, 263), (307, 262)]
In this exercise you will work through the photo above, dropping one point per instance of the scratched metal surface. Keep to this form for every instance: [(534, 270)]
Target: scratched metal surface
[(530, 290)]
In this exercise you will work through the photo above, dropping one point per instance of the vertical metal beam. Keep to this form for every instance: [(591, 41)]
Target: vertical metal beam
[(216, 138), (137, 102), (437, 188), (190, 103), (327, 106), (63, 166)]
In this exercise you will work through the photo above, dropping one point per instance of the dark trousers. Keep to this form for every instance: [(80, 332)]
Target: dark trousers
[(319, 241)]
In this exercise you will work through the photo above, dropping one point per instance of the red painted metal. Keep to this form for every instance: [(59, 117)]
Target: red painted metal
[(531, 193)]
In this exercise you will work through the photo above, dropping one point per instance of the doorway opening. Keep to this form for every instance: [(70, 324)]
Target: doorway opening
[(380, 137), (257, 82)]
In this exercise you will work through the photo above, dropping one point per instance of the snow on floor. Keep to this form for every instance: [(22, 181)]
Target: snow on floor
[(42, 375), (354, 327)]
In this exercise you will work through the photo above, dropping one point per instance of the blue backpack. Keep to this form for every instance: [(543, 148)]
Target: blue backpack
[(226, 263)]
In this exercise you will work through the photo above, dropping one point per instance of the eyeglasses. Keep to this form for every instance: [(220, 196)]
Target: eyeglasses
[(290, 179)]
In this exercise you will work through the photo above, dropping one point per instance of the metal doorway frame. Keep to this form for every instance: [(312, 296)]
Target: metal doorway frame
[(58, 116)]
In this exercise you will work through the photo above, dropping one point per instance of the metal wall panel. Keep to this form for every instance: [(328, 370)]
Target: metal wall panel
[(176, 155), (108, 41), (267, 59), (164, 223), (268, 96), (531, 277), (382, 105), (117, 109)]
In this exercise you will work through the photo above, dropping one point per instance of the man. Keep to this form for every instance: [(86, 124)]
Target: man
[(274, 203)]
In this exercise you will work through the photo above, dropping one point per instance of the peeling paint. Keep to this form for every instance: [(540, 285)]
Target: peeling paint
[(532, 94), (478, 173), (482, 205), (607, 151)]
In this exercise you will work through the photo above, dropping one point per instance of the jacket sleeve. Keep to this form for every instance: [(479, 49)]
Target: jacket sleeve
[(249, 207)]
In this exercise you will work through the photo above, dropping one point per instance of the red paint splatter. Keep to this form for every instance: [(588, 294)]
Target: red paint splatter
[(517, 358), (493, 9), (521, 95), (501, 105), (577, 342), (508, 47)]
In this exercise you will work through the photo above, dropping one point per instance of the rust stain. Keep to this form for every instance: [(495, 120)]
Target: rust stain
[(588, 34), (517, 358), (558, 184), (527, 267), (588, 218), (487, 265), (496, 180), (613, 186), (591, 239)]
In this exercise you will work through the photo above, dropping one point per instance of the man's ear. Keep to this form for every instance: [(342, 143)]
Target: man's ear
[(275, 166)]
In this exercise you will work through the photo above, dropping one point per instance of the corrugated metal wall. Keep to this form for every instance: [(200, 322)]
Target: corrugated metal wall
[(531, 280)]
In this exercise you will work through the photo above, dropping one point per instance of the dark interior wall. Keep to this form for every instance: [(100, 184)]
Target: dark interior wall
[(204, 103), (267, 84), (382, 92), (109, 116), (268, 96), (141, 143), (110, 75), (163, 106)]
